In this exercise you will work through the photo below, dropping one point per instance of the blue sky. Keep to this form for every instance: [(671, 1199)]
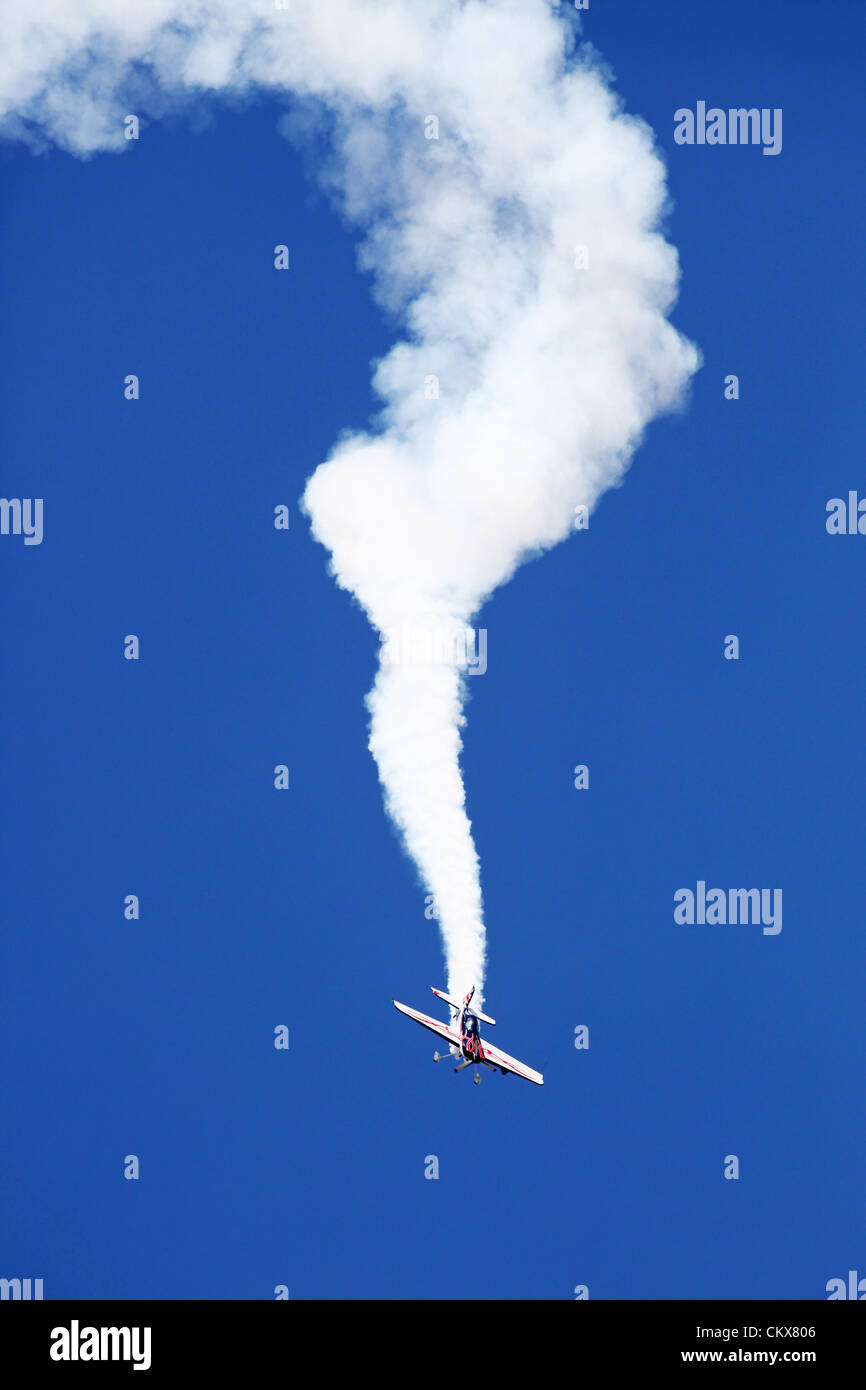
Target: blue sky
[(258, 908)]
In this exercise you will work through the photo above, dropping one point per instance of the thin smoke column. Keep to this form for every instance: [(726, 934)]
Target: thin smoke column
[(511, 213)]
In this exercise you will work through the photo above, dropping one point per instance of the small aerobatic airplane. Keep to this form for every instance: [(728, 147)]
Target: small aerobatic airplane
[(465, 1040)]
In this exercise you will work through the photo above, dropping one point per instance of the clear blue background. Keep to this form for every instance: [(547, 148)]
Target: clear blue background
[(261, 908)]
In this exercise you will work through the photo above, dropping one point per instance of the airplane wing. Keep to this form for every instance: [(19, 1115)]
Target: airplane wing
[(433, 1024), (502, 1059)]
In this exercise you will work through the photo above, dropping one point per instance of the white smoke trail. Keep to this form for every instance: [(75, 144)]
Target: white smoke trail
[(550, 363)]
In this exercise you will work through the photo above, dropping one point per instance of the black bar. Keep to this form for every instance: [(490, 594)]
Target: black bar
[(217, 1339)]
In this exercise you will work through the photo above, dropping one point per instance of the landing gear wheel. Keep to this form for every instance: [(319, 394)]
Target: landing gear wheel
[(477, 1079), (436, 1057)]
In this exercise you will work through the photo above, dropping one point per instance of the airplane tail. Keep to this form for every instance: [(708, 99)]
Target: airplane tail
[(458, 1005)]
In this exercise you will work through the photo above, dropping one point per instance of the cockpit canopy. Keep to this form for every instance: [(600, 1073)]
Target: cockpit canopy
[(470, 1024)]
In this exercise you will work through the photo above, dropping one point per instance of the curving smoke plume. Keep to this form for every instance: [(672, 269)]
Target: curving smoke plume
[(511, 211)]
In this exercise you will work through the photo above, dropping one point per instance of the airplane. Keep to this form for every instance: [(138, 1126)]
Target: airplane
[(465, 1040)]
